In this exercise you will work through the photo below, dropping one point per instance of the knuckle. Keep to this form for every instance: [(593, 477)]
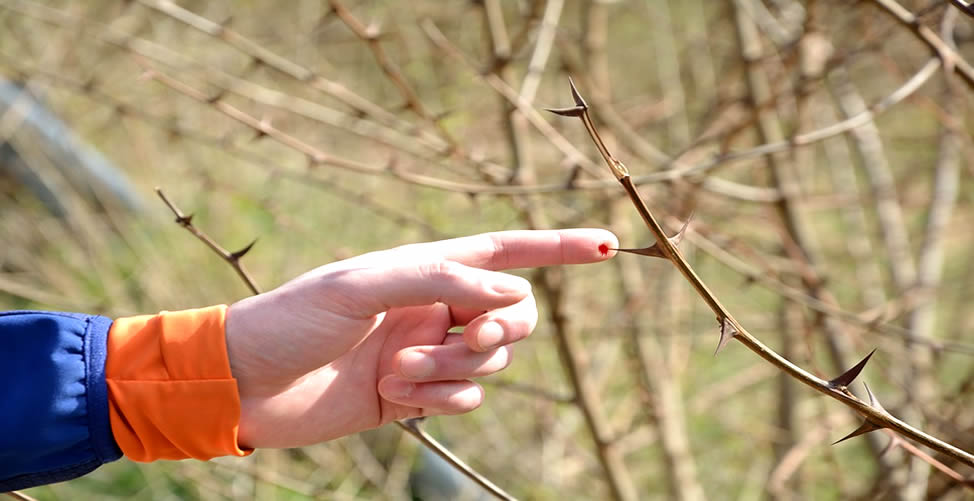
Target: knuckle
[(500, 253), (441, 271)]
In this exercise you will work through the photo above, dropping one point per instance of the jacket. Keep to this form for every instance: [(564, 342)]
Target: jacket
[(78, 391)]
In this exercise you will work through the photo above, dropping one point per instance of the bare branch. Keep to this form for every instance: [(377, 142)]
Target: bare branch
[(232, 258), (752, 343)]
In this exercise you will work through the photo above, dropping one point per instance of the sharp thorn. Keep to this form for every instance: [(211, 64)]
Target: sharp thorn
[(576, 96), (240, 253), (185, 220), (655, 250), (865, 427), (847, 377), (651, 251), (574, 111), (727, 332), (873, 401)]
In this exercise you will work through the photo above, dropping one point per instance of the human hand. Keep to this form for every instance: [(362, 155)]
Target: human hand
[(358, 343)]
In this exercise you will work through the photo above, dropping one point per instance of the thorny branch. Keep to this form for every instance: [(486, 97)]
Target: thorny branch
[(410, 426), (875, 416), (232, 258)]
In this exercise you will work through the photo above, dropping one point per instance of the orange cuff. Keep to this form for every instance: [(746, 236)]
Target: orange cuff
[(171, 394)]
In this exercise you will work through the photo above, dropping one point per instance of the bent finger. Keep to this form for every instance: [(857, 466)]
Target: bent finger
[(502, 326), (450, 362), (446, 397)]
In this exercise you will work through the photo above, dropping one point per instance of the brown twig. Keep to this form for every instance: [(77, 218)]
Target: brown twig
[(730, 328), (951, 59), (696, 171), (656, 376), (804, 246), (20, 495), (411, 426), (262, 55), (372, 38), (656, 372), (232, 258)]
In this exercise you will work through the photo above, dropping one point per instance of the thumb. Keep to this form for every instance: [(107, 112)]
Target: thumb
[(370, 291)]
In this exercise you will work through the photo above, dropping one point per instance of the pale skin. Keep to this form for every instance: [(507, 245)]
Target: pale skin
[(359, 343)]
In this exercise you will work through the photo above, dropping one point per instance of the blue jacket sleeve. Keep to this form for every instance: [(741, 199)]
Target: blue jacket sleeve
[(53, 399)]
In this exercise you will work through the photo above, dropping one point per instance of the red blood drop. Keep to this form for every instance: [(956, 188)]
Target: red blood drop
[(604, 249)]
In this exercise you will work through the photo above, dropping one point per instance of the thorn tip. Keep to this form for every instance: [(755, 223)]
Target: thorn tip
[(865, 427), (240, 253), (579, 101), (846, 378)]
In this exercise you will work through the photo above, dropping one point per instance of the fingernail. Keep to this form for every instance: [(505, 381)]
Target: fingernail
[(416, 364), (397, 388), (491, 334), (511, 284)]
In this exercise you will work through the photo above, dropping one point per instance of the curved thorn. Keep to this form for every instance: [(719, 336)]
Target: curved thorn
[(847, 377), (655, 250), (240, 253), (651, 251), (865, 427), (574, 111), (727, 332), (873, 401), (576, 96)]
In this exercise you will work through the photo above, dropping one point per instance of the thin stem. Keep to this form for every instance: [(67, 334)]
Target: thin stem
[(372, 37), (232, 258), (951, 59), (411, 426), (20, 495), (876, 416), (789, 208)]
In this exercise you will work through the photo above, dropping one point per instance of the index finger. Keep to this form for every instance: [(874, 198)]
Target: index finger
[(505, 250)]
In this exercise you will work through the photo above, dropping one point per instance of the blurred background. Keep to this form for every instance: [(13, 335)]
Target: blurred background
[(822, 148)]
